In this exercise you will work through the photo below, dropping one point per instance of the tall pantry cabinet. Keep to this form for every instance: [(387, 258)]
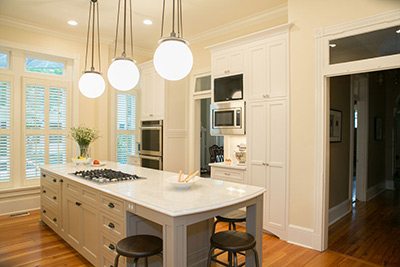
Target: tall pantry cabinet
[(263, 58)]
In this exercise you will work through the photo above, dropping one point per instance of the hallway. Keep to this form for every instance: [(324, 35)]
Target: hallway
[(371, 232)]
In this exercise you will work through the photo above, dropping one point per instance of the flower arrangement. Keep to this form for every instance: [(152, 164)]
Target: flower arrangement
[(84, 136)]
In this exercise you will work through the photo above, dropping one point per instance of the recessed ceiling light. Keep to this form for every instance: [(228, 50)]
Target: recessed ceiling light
[(398, 31), (147, 22), (72, 22), (332, 45)]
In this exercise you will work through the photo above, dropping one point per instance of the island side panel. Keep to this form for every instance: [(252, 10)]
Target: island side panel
[(254, 222)]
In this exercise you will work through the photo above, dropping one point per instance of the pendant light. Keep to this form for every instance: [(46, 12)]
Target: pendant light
[(91, 84), (173, 59), (123, 74)]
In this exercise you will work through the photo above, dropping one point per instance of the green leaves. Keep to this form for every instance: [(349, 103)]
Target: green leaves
[(84, 135)]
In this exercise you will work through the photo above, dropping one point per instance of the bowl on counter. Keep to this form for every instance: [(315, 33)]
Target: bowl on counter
[(173, 181), (81, 161)]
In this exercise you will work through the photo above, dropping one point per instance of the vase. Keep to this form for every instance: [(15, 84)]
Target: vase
[(84, 151)]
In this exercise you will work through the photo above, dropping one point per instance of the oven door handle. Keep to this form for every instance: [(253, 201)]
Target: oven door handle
[(151, 128), (150, 157)]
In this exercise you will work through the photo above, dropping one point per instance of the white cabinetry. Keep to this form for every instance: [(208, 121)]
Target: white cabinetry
[(267, 69), (228, 173), (227, 62), (152, 88)]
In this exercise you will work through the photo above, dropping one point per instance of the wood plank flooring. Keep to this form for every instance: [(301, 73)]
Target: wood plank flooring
[(371, 232), (25, 241)]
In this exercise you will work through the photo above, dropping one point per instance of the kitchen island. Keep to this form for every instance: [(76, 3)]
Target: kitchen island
[(92, 217)]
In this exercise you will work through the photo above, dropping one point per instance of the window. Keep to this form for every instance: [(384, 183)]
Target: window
[(5, 119), (4, 58), (202, 83), (44, 66), (45, 126), (126, 126)]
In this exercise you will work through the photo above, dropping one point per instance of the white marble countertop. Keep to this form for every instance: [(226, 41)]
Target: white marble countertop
[(229, 166), (158, 194)]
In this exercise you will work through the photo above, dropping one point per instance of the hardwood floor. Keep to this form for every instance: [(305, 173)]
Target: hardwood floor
[(25, 241), (371, 232)]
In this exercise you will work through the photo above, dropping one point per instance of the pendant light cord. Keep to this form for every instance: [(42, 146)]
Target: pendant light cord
[(131, 25), (180, 18), (87, 36), (124, 37), (93, 18), (98, 35), (173, 19), (116, 29), (162, 20)]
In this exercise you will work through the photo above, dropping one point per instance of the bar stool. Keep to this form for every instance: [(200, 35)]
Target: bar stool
[(233, 217), (233, 242), (138, 246)]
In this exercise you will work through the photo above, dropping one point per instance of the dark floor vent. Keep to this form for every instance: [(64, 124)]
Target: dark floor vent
[(20, 214)]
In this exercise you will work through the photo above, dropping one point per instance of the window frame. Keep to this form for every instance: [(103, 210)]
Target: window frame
[(8, 52), (47, 58)]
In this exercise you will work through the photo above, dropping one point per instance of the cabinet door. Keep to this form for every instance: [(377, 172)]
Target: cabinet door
[(256, 77), (276, 184), (146, 89), (220, 64), (158, 97), (90, 232), (277, 72), (72, 220), (236, 62)]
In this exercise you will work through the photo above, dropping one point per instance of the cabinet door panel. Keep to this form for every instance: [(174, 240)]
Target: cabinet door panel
[(72, 220), (220, 65), (90, 233), (257, 72), (146, 89), (277, 75), (236, 62), (158, 97)]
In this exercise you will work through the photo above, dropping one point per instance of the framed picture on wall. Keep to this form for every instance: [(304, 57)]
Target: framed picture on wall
[(335, 126), (378, 129)]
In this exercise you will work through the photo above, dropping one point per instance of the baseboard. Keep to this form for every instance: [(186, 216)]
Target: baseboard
[(389, 184), (300, 236), (375, 190), (26, 200), (339, 211)]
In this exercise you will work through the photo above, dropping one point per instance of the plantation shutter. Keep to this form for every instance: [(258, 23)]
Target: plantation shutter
[(126, 126), (5, 118)]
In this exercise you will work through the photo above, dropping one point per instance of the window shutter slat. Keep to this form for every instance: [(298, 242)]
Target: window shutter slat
[(125, 147), (57, 108), (5, 105), (126, 112), (57, 149), (34, 155), (34, 107), (5, 157)]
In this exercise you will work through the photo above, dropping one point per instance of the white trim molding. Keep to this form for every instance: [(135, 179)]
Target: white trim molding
[(300, 236), (375, 190), (19, 200), (323, 72), (339, 211)]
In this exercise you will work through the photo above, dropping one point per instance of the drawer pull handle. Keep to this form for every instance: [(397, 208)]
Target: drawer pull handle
[(111, 225), (55, 220), (54, 197), (227, 174), (44, 191), (111, 246), (44, 211), (54, 180), (111, 205), (44, 175), (61, 181), (78, 203)]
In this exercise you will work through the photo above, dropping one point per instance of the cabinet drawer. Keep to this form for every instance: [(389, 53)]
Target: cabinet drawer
[(50, 217), (109, 244), (112, 226), (112, 205), (48, 193), (50, 180), (227, 174)]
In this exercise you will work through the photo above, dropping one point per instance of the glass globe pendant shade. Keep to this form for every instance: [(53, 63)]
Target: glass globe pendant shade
[(91, 84), (123, 74), (173, 59)]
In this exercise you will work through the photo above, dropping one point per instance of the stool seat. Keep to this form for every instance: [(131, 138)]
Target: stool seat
[(139, 246), (233, 241), (232, 217)]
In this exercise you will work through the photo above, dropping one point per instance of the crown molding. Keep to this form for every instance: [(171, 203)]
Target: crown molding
[(264, 16), (19, 24)]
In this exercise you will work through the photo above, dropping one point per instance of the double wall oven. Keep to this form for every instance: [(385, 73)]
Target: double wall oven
[(151, 151)]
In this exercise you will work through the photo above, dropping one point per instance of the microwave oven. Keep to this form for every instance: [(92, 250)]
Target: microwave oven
[(228, 88), (227, 118)]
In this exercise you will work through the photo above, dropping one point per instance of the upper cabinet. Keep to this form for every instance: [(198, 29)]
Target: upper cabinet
[(263, 59), (152, 88), (267, 69), (228, 62)]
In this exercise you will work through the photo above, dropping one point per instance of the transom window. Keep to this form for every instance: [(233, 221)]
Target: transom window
[(44, 66), (4, 58)]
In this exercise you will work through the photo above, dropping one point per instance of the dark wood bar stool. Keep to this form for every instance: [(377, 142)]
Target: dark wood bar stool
[(233, 242), (138, 246), (233, 217)]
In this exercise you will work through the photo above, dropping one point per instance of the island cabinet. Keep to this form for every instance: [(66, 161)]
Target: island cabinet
[(50, 199)]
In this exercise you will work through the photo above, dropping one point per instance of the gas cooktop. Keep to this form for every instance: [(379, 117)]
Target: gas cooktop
[(106, 175)]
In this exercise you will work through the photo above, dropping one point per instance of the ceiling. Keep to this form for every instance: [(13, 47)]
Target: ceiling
[(199, 16)]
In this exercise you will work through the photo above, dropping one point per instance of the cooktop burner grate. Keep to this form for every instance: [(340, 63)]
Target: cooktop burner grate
[(106, 175)]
